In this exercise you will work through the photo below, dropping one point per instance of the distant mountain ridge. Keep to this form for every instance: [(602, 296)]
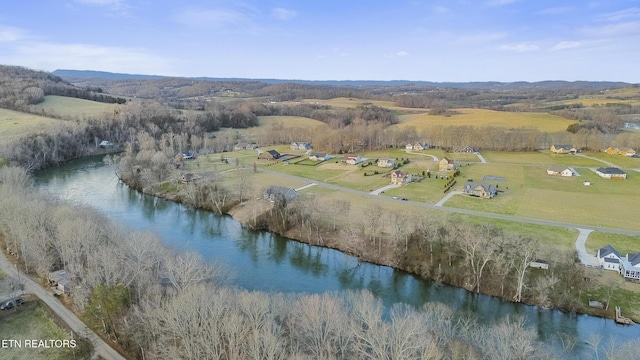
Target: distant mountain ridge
[(549, 84)]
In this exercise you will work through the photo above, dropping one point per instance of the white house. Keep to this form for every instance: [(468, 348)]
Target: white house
[(352, 159), (630, 266), (611, 173), (408, 147), (609, 258), (559, 170), (318, 156), (386, 163)]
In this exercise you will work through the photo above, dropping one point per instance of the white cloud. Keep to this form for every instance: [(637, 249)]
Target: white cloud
[(614, 30), (402, 53), (620, 15), (50, 56), (9, 34), (566, 45), (283, 14), (524, 47)]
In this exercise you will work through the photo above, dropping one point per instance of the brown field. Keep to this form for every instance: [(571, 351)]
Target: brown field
[(353, 102), (479, 117)]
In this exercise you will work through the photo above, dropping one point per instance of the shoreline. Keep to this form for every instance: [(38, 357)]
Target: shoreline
[(331, 241)]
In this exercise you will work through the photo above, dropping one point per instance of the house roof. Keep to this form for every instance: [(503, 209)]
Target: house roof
[(563, 146), (400, 173), (612, 260), (274, 153), (449, 161), (604, 251), (317, 154), (611, 171), (634, 259), (287, 193), (350, 156), (472, 185), (558, 168)]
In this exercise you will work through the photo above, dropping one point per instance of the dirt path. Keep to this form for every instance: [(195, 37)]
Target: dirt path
[(101, 348)]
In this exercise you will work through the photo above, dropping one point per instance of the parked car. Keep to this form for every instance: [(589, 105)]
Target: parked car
[(11, 304), (8, 305), (105, 144)]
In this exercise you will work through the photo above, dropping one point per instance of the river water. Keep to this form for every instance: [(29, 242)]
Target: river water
[(266, 262)]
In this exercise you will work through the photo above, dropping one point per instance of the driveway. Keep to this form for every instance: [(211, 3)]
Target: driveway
[(384, 188), (482, 159), (447, 197), (101, 348), (435, 158), (585, 258)]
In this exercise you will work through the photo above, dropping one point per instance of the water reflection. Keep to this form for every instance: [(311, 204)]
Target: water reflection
[(263, 261)]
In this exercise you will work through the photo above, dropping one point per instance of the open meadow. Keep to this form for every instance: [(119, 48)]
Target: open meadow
[(529, 192), (481, 118), (14, 124), (72, 108)]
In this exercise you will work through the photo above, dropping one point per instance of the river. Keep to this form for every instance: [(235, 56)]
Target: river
[(266, 262)]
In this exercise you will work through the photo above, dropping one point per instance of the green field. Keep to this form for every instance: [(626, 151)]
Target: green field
[(481, 118), (30, 322), (538, 158), (530, 192), (618, 160), (72, 108), (623, 243), (14, 124)]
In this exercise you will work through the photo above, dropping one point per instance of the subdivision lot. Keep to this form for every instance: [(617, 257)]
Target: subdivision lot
[(529, 192)]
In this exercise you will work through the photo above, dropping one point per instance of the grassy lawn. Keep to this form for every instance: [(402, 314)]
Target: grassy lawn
[(14, 124), (427, 190), (286, 122), (623, 243), (72, 108), (530, 192), (318, 173), (480, 117), (31, 322), (623, 293), (618, 160), (538, 158)]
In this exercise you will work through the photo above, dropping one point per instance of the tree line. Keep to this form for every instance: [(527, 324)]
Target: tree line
[(158, 304)]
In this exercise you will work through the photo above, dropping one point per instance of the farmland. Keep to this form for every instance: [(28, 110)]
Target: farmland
[(72, 108), (14, 124), (481, 118)]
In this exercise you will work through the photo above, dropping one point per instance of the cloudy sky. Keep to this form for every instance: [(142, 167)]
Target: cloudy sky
[(432, 40)]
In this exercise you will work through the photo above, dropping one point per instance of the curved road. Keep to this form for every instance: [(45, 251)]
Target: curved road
[(463, 211), (100, 347)]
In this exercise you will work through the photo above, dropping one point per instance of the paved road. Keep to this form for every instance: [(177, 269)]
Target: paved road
[(306, 186), (447, 197), (101, 348), (384, 188), (464, 211)]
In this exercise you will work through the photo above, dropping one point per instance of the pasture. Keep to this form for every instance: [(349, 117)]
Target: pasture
[(15, 124), (529, 192), (538, 158), (483, 118), (623, 243), (72, 108), (345, 103)]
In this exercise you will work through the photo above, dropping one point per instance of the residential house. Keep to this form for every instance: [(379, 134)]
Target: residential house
[(269, 155), (420, 146), (620, 151), (60, 282), (559, 170), (251, 146), (609, 258), (470, 149), (611, 173), (318, 157), (630, 266), (446, 164), (274, 192), (386, 163), (408, 147), (352, 159), (240, 146), (485, 191), (400, 177), (563, 149), (300, 145)]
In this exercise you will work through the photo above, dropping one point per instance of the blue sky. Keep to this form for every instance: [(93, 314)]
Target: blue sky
[(432, 40)]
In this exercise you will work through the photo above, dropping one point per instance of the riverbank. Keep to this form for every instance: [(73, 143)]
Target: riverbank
[(379, 253)]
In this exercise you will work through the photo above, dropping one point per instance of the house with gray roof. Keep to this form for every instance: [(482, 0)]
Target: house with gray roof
[(274, 192), (563, 149), (630, 266), (486, 191), (611, 173), (609, 258)]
